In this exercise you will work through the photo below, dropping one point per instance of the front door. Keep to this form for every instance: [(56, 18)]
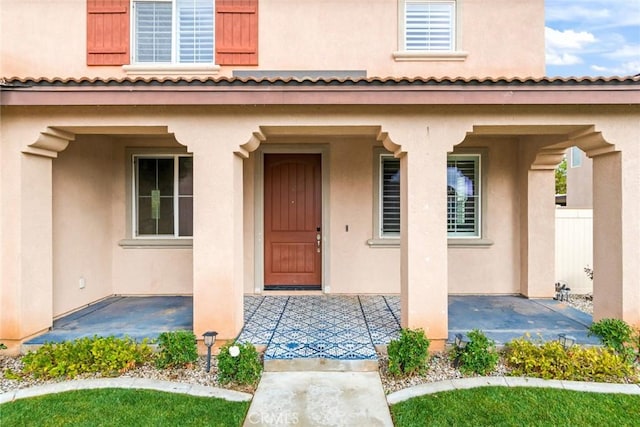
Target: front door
[(292, 221)]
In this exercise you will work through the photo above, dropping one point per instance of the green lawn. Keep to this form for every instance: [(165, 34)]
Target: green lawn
[(122, 407), (519, 406)]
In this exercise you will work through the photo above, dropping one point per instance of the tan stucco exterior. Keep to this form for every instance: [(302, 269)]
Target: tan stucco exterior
[(66, 173), (297, 35)]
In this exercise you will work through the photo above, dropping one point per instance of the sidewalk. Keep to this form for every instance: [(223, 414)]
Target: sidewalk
[(318, 398)]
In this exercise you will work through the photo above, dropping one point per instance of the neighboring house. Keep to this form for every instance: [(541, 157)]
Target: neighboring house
[(579, 179), (574, 224), (222, 148)]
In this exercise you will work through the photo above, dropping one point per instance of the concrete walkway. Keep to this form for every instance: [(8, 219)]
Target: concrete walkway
[(318, 398)]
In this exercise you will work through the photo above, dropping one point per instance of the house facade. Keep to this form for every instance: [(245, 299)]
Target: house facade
[(218, 148)]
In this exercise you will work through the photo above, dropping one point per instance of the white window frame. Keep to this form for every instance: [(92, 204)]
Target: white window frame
[(575, 157), (478, 239), (176, 197), (477, 234), (175, 65), (453, 54), (380, 238)]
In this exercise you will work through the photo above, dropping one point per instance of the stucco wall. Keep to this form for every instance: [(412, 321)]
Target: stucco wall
[(89, 220), (475, 270), (82, 233), (48, 39), (143, 271)]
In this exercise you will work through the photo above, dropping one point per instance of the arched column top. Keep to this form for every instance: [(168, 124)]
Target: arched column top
[(50, 142), (55, 139)]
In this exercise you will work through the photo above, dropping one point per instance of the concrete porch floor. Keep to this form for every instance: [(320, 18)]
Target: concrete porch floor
[(325, 327)]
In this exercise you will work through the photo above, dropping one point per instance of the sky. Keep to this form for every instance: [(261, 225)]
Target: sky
[(592, 37)]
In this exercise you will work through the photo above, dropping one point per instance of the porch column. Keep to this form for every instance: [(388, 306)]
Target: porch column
[(217, 229), (616, 235), (424, 274), (26, 290), (537, 220)]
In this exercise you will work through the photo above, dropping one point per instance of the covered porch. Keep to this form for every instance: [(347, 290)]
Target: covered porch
[(80, 199), (346, 327)]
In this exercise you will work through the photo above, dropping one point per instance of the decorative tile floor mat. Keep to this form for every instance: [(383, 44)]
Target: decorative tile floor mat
[(330, 327)]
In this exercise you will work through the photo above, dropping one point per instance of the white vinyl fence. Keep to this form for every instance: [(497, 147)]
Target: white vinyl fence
[(574, 248)]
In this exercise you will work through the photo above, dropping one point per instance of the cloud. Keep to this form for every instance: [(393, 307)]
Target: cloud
[(626, 51), (562, 47), (567, 39), (629, 68), (553, 58)]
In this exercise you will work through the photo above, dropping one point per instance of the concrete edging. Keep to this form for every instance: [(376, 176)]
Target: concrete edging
[(465, 383), (131, 383)]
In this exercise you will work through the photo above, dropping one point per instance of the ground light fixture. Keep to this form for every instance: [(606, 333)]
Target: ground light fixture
[(460, 341), (209, 340), (566, 341)]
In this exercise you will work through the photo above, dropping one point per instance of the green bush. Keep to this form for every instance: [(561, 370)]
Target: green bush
[(408, 355), (239, 364), (478, 356), (617, 335), (108, 356), (177, 348), (550, 360)]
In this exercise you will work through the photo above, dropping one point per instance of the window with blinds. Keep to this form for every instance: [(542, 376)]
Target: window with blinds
[(390, 196), (177, 31), (430, 25), (163, 191), (463, 195)]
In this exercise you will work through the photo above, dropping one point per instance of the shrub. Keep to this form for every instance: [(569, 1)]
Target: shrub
[(615, 334), (478, 356), (177, 348), (550, 360), (108, 356), (408, 354), (3, 346), (239, 363)]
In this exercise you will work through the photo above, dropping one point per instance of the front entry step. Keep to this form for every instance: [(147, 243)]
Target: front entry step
[(320, 365)]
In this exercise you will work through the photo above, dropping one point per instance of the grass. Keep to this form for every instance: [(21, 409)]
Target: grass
[(502, 406), (123, 407)]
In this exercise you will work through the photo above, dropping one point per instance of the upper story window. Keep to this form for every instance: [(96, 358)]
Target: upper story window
[(427, 31), (429, 25), (173, 31)]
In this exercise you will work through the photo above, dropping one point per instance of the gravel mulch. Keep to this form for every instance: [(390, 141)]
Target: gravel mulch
[(195, 374)]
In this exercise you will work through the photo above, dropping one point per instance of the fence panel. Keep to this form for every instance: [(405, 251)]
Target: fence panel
[(574, 248)]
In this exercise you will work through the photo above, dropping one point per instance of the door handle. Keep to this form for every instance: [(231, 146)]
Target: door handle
[(318, 240)]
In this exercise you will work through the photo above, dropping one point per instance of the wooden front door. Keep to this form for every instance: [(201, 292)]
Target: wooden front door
[(292, 221)]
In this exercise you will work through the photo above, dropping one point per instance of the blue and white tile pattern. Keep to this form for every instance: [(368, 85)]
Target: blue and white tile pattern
[(331, 327)]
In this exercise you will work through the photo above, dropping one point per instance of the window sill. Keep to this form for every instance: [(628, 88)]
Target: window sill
[(182, 70), (156, 243), (384, 243), (457, 243), (419, 55), (469, 243)]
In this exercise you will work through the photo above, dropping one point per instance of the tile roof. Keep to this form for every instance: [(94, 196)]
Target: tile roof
[(21, 82)]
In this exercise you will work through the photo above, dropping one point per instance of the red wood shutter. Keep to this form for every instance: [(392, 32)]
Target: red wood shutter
[(237, 32), (107, 32)]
